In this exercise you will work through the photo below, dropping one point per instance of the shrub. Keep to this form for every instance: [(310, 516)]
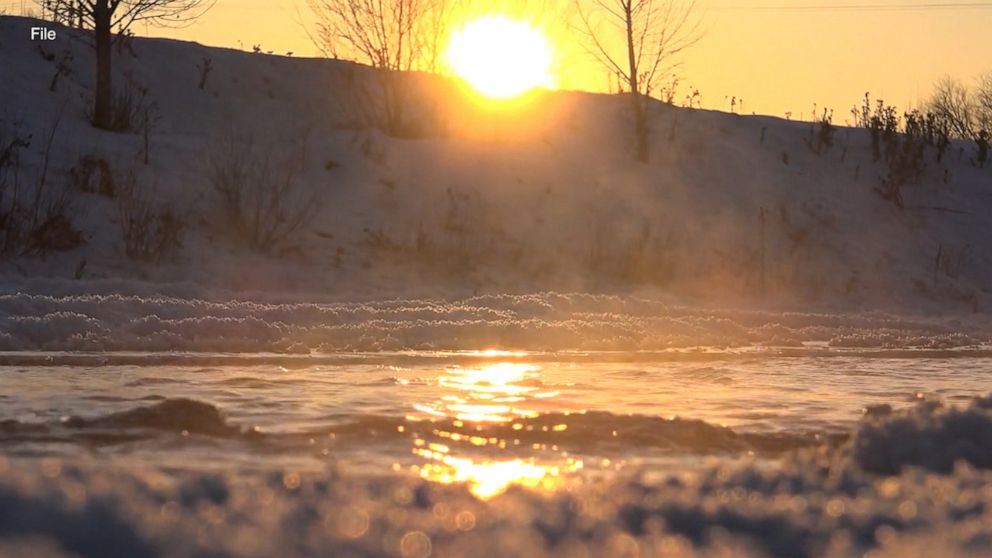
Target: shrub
[(916, 125), (34, 216), (131, 110), (62, 68), (465, 231), (951, 261), (881, 121), (259, 191), (53, 232), (383, 100), (905, 166), (205, 67), (928, 128), (825, 134), (982, 142), (149, 232), (93, 175), (12, 141)]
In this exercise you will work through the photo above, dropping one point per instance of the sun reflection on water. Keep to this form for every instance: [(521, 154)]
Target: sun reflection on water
[(474, 401)]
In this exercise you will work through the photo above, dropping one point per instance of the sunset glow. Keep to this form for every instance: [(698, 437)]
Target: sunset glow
[(501, 58)]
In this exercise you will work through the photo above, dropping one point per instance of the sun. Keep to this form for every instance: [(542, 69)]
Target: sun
[(500, 57)]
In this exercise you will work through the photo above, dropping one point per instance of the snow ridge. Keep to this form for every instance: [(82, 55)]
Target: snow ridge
[(540, 322)]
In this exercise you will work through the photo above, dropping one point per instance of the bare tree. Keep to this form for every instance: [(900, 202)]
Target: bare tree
[(65, 12), (639, 42), (103, 16), (390, 35), (952, 104), (378, 33), (983, 101)]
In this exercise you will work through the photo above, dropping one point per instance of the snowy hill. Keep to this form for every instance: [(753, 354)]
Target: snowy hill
[(544, 195)]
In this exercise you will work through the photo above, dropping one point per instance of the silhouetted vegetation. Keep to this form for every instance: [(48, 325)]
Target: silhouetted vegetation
[(34, 213), (205, 67), (881, 121), (965, 112), (261, 197), (952, 111), (93, 175), (390, 35), (982, 142), (905, 166), (63, 68), (131, 110), (901, 144), (149, 230), (103, 16), (825, 133), (653, 33)]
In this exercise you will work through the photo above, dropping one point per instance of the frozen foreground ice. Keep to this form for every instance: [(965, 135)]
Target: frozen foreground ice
[(908, 483), (72, 321)]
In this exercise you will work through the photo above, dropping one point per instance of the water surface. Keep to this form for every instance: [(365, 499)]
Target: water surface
[(488, 420)]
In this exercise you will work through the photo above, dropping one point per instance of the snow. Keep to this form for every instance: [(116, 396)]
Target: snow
[(940, 437), (537, 197)]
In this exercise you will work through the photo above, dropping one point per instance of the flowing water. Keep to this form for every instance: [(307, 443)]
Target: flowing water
[(488, 420)]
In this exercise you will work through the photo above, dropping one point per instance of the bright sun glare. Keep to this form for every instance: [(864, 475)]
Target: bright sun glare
[(500, 57), (483, 405)]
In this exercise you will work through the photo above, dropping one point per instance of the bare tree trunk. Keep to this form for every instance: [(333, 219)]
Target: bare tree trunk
[(640, 118), (640, 127), (631, 56), (103, 94)]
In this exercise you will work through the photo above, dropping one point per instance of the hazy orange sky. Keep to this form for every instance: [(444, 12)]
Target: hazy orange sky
[(777, 55)]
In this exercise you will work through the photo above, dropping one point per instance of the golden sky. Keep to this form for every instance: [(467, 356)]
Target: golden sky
[(775, 55)]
